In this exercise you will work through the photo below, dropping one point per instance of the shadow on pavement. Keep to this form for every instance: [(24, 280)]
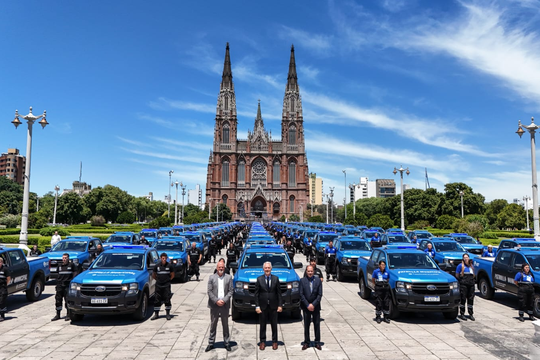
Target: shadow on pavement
[(19, 300), (116, 320), (253, 318)]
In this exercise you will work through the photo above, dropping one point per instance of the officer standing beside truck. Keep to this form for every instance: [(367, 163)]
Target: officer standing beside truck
[(290, 250), (232, 255), (466, 276), (163, 274), (489, 252), (330, 255), (194, 259), (67, 270), (212, 245), (430, 250), (5, 279), (525, 280), (380, 279)]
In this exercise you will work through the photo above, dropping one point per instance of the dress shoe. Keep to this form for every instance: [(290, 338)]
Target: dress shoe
[(305, 346), (262, 345), (228, 347), (462, 317), (318, 346), (274, 346), (208, 348), (471, 317), (521, 319)]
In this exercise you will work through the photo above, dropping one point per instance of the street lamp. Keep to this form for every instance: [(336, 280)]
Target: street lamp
[(461, 193), (327, 203), (169, 198), (332, 204), (526, 198), (176, 204), (353, 189), (532, 130), (345, 200), (183, 193), (401, 170), (56, 188), (30, 119), (301, 213)]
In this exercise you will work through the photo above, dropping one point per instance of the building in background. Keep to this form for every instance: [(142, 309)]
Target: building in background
[(315, 189), (363, 190), (406, 187), (385, 188), (195, 196), (150, 196), (79, 187), (12, 165)]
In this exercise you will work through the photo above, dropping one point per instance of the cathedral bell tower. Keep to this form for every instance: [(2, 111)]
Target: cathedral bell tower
[(292, 119), (225, 129)]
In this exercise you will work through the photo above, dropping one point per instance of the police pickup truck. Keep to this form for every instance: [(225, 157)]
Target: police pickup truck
[(250, 267), (176, 249), (416, 282), (448, 253), (349, 249), (81, 250), (498, 273), (119, 281), (121, 238), (26, 275), (468, 242), (200, 239), (319, 244), (150, 235)]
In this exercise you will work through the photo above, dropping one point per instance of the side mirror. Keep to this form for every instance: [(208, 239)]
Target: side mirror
[(518, 266), (86, 266), (233, 265), (151, 266), (47, 248), (298, 265), (442, 266)]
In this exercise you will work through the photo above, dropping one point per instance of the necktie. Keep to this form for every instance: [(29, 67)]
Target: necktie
[(311, 286), (268, 283)]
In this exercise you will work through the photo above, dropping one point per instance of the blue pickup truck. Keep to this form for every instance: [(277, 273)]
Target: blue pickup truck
[(176, 249), (200, 239), (468, 242), (149, 234), (349, 249), (119, 281), (29, 276), (81, 249), (121, 238), (448, 253), (319, 243), (417, 284), (498, 273), (250, 267)]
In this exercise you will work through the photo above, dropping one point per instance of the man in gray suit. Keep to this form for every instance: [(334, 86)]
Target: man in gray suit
[(220, 291)]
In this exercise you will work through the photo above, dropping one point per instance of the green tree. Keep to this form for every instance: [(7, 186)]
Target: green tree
[(70, 209), (512, 216), (361, 218), (493, 209), (370, 206), (294, 217), (473, 203), (350, 220), (316, 218), (445, 222), (381, 220), (160, 221), (225, 213), (126, 217)]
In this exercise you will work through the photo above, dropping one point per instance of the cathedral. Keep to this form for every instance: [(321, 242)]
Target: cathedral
[(259, 177)]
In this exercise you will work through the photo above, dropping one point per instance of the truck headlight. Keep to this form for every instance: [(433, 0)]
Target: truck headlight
[(403, 287), (241, 285), (346, 261), (75, 286), (76, 261), (132, 288), (454, 286)]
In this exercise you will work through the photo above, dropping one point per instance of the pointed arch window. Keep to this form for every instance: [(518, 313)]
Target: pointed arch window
[(226, 100), (226, 132), (225, 173), (292, 135), (292, 174), (291, 204), (242, 172), (225, 198), (276, 173), (292, 104)]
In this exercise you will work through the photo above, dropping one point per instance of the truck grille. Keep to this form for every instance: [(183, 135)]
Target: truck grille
[(475, 251), (354, 262), (283, 287), (441, 288), (110, 290)]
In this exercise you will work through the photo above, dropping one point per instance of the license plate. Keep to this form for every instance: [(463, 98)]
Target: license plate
[(99, 301), (432, 298), (53, 269)]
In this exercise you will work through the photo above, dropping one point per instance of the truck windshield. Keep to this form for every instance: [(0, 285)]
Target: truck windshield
[(310, 234), (398, 239), (70, 246), (118, 239), (448, 246), (369, 234), (465, 239), (410, 261), (423, 235), (256, 260), (530, 244), (354, 245), (191, 238), (119, 261), (534, 261), (169, 245), (149, 234), (327, 238)]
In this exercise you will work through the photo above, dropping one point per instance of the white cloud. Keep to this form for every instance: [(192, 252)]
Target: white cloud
[(189, 126), (164, 104), (159, 155), (316, 42)]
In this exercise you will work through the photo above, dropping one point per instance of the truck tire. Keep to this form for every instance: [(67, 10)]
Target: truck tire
[(184, 277), (142, 310), (536, 305), (486, 291), (365, 292), (394, 311), (296, 313), (36, 289), (339, 274), (75, 317), (236, 315), (451, 315)]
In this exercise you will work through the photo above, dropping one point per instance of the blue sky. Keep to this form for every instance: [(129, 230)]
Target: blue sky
[(130, 87)]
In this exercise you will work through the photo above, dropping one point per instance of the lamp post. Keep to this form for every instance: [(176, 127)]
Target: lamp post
[(56, 188), (169, 198), (526, 198), (353, 189), (30, 119), (401, 170), (332, 204), (176, 204), (327, 204), (532, 130), (461, 193), (301, 213), (345, 200), (37, 204), (183, 193)]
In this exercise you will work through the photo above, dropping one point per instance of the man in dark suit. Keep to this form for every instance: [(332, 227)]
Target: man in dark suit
[(268, 303), (310, 302)]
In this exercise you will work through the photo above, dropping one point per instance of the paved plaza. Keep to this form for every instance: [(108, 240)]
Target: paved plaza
[(348, 331)]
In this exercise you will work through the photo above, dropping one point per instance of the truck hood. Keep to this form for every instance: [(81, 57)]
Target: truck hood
[(454, 255), (174, 254), (107, 276), (422, 275), (473, 246), (356, 253), (57, 255), (251, 275)]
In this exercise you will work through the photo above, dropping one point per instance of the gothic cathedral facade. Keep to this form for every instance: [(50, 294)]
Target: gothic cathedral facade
[(259, 177)]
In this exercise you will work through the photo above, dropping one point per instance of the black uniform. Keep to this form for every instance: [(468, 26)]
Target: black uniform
[(219, 243), (66, 273), (212, 245), (4, 274), (97, 253), (232, 256), (382, 294), (194, 259), (290, 251), (466, 288), (144, 242), (163, 286), (525, 293), (35, 253)]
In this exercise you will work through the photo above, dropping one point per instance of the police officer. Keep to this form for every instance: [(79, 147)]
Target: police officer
[(330, 255), (67, 270), (382, 292), (194, 259), (414, 240), (232, 256), (376, 240), (283, 240), (219, 243), (430, 250), (466, 277), (290, 250), (238, 244), (98, 252), (524, 280), (143, 241), (163, 274), (489, 252), (212, 245), (34, 252), (5, 279), (308, 246)]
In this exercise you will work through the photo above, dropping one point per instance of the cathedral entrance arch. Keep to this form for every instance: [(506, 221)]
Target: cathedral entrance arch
[(258, 207)]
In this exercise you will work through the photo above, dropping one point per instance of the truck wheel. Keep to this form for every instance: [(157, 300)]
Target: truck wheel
[(451, 315), (75, 317), (486, 291), (536, 305), (365, 292), (140, 313), (339, 274), (184, 278), (394, 311), (236, 315), (296, 313), (35, 290)]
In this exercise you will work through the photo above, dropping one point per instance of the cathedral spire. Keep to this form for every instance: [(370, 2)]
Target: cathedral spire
[(226, 79), (259, 116), (292, 78), (259, 123)]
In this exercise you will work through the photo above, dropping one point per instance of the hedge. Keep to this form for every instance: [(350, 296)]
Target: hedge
[(17, 231)]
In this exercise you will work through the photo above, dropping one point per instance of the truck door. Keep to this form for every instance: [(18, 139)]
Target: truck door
[(151, 258), (20, 270), (371, 266), (502, 271), (517, 261)]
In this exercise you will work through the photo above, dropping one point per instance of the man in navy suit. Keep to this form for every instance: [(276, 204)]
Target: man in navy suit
[(268, 303), (310, 301)]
